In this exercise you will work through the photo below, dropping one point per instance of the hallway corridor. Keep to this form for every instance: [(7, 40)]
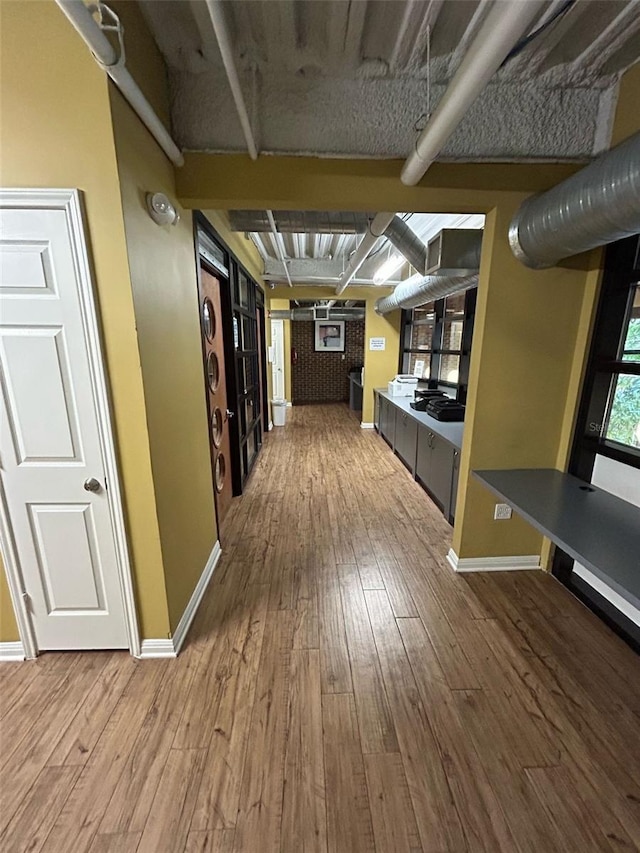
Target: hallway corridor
[(340, 690)]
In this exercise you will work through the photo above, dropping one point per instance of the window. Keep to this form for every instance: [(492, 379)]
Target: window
[(418, 341), (622, 423), (609, 417), (437, 342)]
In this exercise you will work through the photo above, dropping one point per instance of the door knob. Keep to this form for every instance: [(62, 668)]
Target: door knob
[(92, 485)]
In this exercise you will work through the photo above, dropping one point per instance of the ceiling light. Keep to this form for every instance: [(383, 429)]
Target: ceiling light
[(385, 270), (161, 210)]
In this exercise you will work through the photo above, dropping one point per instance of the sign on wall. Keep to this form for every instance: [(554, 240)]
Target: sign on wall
[(377, 344)]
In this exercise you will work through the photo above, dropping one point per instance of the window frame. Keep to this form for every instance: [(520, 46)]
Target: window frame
[(437, 350)]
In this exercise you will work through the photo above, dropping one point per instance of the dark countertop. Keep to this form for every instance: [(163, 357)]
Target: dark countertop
[(596, 528), (451, 432)]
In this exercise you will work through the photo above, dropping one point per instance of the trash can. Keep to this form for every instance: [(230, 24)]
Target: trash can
[(279, 412)]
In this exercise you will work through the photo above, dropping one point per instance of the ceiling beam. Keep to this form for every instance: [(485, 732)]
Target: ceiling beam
[(611, 39)]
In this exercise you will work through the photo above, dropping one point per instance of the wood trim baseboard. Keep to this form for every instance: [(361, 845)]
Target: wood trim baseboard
[(198, 594), (170, 648), (12, 651), (493, 564)]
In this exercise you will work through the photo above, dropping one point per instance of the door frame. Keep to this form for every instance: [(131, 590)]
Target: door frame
[(70, 201), (274, 362)]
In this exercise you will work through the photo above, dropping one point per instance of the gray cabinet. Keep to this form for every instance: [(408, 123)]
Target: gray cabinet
[(406, 438), (454, 485), (434, 467), (387, 420), (376, 411), (432, 459)]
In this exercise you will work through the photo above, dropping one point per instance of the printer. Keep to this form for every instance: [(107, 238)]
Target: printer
[(404, 385)]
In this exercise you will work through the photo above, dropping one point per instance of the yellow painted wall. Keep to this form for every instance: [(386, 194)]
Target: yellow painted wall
[(627, 117), (165, 291), (56, 132), (379, 367), (521, 378)]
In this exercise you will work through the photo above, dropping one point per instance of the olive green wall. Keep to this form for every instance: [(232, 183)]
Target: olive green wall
[(56, 132), (163, 275)]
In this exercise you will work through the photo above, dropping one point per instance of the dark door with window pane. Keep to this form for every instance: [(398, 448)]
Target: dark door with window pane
[(247, 346), (216, 390)]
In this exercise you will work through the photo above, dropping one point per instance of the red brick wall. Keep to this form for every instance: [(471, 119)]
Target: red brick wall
[(321, 377)]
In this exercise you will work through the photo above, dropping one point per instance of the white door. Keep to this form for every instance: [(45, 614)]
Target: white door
[(57, 510), (277, 367)]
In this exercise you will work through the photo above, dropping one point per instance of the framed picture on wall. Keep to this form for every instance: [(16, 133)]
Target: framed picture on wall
[(329, 335)]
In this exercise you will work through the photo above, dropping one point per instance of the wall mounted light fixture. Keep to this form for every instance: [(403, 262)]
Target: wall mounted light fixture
[(161, 210)]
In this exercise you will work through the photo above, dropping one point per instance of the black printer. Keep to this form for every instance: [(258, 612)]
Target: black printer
[(445, 409)]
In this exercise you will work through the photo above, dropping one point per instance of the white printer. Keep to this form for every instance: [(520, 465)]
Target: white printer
[(404, 385)]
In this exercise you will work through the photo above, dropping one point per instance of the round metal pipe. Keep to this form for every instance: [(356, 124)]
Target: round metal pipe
[(83, 22), (599, 204), (378, 226), (505, 24), (414, 294), (216, 14)]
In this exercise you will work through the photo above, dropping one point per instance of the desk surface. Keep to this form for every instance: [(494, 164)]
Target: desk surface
[(595, 527), (451, 432)]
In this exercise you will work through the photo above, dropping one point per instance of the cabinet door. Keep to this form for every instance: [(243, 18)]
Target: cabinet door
[(441, 475), (454, 485), (423, 456), (406, 438), (376, 411), (389, 431)]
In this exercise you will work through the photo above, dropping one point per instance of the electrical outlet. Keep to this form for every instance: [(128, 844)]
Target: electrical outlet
[(501, 512)]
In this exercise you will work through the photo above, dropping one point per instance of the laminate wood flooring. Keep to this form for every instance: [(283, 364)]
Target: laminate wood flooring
[(341, 691)]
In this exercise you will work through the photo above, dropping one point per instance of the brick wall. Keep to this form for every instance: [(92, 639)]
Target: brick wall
[(321, 377)]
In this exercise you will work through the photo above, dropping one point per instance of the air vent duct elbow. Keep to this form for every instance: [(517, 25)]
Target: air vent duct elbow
[(598, 205), (407, 243), (414, 294)]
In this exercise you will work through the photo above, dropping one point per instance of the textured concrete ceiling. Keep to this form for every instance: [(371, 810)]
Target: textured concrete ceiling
[(338, 78)]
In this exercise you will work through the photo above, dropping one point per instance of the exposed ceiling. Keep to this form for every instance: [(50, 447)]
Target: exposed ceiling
[(338, 78), (313, 257)]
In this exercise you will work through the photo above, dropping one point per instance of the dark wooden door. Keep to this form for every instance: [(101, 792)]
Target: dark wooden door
[(216, 383)]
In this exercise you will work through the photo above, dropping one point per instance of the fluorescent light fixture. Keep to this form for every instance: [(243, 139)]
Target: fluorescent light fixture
[(386, 270)]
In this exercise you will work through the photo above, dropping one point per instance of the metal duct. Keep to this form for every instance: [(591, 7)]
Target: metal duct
[(414, 294), (407, 243), (598, 205), (374, 232), (308, 314), (301, 221)]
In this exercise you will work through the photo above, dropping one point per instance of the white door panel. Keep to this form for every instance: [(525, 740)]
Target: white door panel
[(277, 366), (50, 441)]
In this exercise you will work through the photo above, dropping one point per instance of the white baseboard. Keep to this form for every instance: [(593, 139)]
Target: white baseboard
[(364, 425), (198, 594), (157, 649), (171, 647), (270, 427), (12, 651), (493, 564)]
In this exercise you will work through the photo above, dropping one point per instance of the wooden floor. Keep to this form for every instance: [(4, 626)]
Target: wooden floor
[(341, 690)]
